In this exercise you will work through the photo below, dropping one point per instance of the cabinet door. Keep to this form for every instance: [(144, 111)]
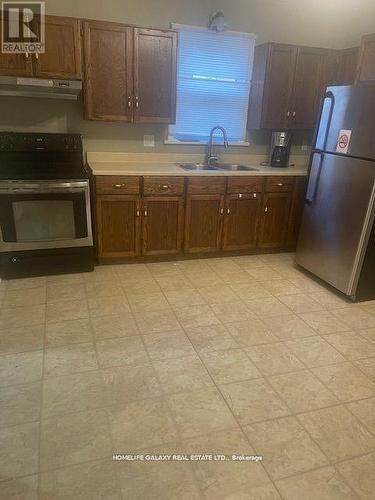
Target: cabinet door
[(118, 225), (366, 66), (307, 87), (203, 223), (296, 209), (16, 64), (279, 84), (62, 58), (241, 221), (274, 220), (108, 71), (162, 225), (347, 66), (155, 56)]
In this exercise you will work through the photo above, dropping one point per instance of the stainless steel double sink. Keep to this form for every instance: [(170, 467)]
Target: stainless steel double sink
[(230, 167)]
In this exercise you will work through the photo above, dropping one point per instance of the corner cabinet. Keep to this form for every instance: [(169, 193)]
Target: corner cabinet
[(130, 73)]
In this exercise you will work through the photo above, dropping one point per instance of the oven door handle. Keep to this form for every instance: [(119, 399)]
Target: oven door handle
[(41, 191), (42, 187)]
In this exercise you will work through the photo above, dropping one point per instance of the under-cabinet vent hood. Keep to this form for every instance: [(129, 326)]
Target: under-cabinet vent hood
[(37, 87)]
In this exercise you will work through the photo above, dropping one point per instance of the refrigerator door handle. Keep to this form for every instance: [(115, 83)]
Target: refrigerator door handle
[(315, 171), (328, 95)]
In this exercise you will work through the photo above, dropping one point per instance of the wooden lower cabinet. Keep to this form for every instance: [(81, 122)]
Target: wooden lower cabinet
[(118, 225), (203, 223), (241, 218), (274, 220), (140, 223), (162, 225)]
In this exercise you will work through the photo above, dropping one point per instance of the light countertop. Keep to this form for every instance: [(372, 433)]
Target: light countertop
[(144, 168)]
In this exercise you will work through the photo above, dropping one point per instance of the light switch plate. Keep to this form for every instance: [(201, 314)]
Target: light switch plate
[(148, 141)]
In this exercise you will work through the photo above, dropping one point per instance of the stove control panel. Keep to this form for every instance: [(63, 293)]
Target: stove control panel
[(53, 143)]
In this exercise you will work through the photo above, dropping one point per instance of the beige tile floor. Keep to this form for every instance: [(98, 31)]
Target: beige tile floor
[(227, 355)]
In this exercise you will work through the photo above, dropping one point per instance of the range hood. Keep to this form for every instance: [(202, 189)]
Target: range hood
[(38, 87)]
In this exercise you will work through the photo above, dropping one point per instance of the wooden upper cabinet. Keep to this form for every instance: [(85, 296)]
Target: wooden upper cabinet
[(162, 225), (241, 217), (62, 57), (108, 71), (271, 86), (307, 87), (155, 61), (366, 64), (287, 84), (347, 63), (16, 65)]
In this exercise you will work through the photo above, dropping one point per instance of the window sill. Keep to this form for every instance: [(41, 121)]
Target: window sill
[(175, 142)]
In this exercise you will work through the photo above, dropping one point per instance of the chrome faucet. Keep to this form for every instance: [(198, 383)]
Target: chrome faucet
[(211, 157)]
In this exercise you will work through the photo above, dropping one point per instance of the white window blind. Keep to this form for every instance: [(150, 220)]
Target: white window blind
[(213, 83)]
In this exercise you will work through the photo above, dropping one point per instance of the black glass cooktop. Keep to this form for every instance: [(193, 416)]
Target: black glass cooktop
[(33, 156)]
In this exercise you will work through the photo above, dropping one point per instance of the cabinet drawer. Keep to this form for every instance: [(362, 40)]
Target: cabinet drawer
[(279, 184), (163, 185), (245, 185), (203, 185), (117, 184)]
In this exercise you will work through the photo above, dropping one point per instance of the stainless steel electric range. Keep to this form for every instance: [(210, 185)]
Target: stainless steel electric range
[(45, 215)]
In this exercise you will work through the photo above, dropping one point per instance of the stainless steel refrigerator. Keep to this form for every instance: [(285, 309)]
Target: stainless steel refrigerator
[(337, 237)]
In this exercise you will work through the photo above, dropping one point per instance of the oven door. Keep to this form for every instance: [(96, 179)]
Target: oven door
[(44, 214)]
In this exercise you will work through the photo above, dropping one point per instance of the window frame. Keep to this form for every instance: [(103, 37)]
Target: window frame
[(171, 140)]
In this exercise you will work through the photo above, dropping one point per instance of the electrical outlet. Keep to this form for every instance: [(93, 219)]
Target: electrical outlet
[(148, 141)]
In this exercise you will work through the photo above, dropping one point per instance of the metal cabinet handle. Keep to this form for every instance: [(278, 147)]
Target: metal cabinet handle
[(288, 114), (255, 195), (137, 102), (119, 186), (228, 211), (221, 211), (280, 184), (146, 212), (163, 187), (294, 114), (36, 55), (26, 55), (266, 209), (129, 101), (138, 213)]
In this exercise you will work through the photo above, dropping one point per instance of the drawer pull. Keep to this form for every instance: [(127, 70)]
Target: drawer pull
[(228, 211), (146, 212), (138, 213), (266, 209), (280, 184), (221, 211), (129, 101), (137, 102), (254, 195), (164, 187), (294, 114), (119, 186)]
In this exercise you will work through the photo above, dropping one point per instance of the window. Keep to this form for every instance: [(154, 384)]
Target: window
[(213, 84)]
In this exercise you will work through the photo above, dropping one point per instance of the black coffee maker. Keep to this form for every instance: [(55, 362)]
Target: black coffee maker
[(280, 149)]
